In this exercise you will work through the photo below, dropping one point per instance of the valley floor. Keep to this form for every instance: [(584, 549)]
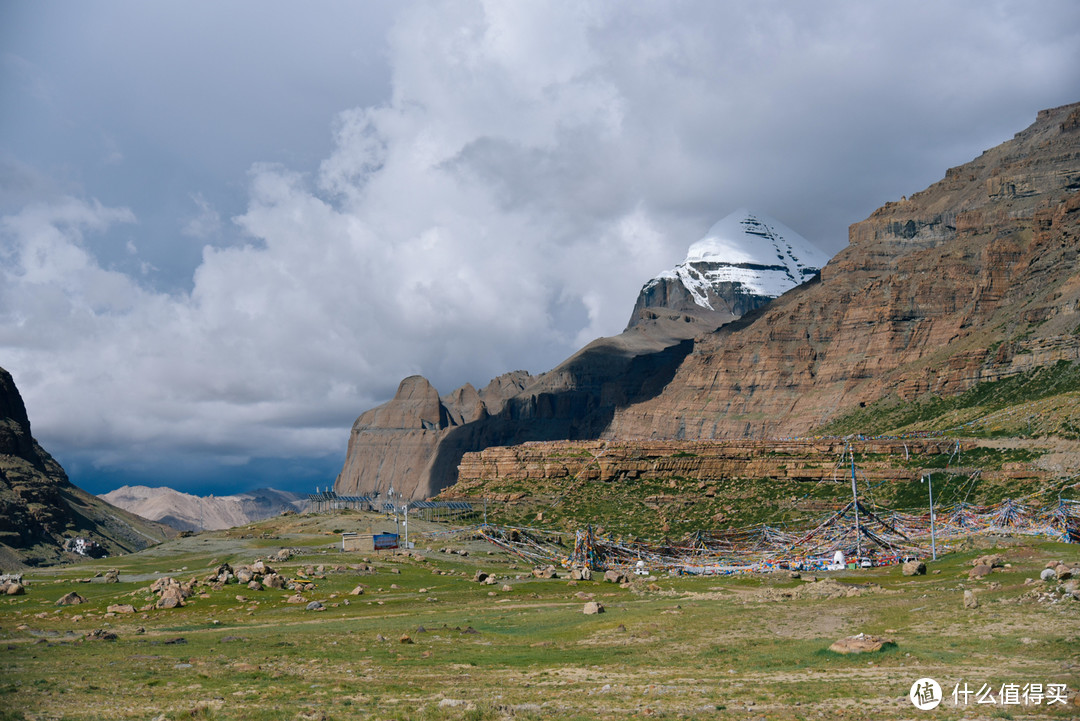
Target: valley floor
[(689, 648)]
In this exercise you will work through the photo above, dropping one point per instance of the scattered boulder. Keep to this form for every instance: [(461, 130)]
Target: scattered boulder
[(994, 560), (101, 635), (860, 643), (296, 598), (121, 608), (507, 587), (1048, 575), (358, 591), (913, 568), (14, 589), (1062, 572), (981, 571), (223, 574), (112, 576), (70, 599), (405, 638), (545, 572), (255, 586), (970, 599), (480, 576), (490, 581), (315, 606), (273, 580), (614, 576), (581, 574), (592, 608), (171, 597)]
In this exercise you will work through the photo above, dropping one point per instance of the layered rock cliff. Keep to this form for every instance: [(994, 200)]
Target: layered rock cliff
[(39, 507), (972, 279), (415, 442)]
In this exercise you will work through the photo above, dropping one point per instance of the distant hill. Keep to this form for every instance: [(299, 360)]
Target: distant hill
[(187, 512), (41, 512)]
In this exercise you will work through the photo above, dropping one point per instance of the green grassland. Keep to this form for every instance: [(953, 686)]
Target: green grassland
[(666, 647), (673, 506), (1038, 403)]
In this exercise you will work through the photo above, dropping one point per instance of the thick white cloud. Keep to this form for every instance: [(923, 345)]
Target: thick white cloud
[(534, 164)]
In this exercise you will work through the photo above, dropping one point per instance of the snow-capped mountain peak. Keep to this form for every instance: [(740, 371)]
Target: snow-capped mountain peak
[(743, 261)]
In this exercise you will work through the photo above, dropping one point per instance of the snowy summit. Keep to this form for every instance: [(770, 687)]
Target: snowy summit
[(742, 263), (761, 254)]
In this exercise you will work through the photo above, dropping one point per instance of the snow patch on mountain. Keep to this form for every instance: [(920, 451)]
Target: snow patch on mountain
[(759, 253)]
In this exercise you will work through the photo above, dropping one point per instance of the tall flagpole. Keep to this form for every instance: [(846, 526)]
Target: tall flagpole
[(855, 495), (930, 487)]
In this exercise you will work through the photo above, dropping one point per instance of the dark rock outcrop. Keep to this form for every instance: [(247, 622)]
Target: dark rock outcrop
[(40, 509), (416, 441)]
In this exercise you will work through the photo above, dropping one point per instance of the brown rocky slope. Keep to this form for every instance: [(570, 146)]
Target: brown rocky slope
[(39, 507), (973, 279)]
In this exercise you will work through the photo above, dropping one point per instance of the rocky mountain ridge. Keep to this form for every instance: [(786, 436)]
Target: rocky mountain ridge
[(973, 279), (41, 510), (187, 512), (415, 441), (970, 280)]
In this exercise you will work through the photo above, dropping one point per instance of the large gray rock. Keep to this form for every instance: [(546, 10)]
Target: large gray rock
[(914, 568), (70, 599), (613, 576), (859, 643)]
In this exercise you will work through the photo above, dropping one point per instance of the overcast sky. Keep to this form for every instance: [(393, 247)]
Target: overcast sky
[(230, 227)]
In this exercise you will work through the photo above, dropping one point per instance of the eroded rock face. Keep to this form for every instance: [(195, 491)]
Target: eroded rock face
[(40, 508), (971, 280), (803, 460), (416, 441)]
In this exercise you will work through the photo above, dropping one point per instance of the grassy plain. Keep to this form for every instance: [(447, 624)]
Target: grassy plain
[(683, 648)]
